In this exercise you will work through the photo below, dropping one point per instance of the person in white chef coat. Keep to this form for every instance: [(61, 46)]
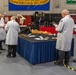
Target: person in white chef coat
[(64, 38), (12, 28), (2, 31)]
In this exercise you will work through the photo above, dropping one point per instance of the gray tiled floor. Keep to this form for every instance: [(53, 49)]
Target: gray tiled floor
[(19, 66)]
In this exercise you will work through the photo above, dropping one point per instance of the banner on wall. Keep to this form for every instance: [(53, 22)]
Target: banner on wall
[(22, 5), (70, 1)]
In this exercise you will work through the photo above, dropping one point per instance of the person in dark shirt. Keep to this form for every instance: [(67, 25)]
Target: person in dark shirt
[(33, 25), (37, 23)]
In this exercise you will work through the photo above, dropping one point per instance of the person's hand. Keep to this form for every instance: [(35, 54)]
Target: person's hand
[(54, 24), (4, 25)]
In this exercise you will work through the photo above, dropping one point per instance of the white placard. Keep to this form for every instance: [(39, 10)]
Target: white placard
[(6, 19)]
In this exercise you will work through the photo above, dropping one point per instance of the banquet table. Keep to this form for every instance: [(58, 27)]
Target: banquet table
[(39, 51)]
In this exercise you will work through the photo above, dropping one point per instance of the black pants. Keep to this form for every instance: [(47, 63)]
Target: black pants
[(64, 56), (12, 49), (0, 44)]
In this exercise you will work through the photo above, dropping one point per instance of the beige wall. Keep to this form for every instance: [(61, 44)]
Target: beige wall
[(56, 6), (62, 5)]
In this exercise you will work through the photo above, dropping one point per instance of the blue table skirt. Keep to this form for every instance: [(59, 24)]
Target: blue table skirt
[(39, 52)]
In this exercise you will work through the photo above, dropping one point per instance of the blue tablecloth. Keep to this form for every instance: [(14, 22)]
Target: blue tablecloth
[(39, 52)]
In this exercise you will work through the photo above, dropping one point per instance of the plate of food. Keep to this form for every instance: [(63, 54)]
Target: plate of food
[(54, 38), (32, 36), (37, 38)]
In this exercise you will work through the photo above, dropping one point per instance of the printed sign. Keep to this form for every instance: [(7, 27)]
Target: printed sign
[(29, 5)]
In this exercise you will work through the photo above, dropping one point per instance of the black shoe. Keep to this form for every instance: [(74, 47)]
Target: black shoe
[(0, 52), (9, 56), (13, 55), (2, 49), (58, 63), (74, 61), (67, 64)]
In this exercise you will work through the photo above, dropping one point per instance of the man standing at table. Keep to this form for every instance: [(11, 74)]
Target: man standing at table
[(12, 28), (64, 38), (2, 31)]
